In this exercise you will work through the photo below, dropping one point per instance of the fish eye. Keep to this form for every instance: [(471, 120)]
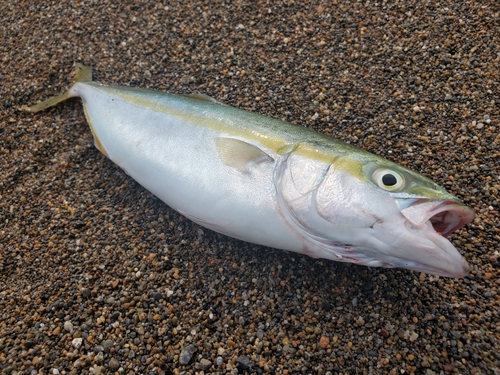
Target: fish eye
[(388, 179)]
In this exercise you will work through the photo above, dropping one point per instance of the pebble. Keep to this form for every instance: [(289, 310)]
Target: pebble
[(186, 354), (324, 342), (413, 336), (68, 326), (243, 363), (107, 344), (205, 364), (113, 364), (99, 276), (77, 342)]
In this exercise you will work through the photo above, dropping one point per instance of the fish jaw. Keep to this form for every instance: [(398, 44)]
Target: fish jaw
[(427, 224), (413, 240)]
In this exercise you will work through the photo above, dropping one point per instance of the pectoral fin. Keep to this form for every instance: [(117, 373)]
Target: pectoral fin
[(239, 154)]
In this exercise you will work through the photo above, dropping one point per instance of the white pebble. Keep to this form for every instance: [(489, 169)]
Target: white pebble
[(77, 342)]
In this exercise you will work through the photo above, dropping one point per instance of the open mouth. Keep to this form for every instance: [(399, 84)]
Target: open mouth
[(444, 217), (449, 216), (431, 221)]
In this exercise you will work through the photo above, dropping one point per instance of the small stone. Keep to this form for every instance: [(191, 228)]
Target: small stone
[(260, 334), (186, 354), (448, 367), (219, 361), (85, 292), (77, 342), (488, 275), (243, 363), (384, 332), (324, 342), (413, 336), (157, 296), (114, 364), (68, 326), (448, 97), (107, 344), (205, 364), (56, 331)]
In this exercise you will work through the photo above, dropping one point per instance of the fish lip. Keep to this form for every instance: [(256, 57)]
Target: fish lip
[(445, 216), (437, 219)]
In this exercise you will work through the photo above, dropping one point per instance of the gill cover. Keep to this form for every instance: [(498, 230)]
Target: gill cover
[(328, 207)]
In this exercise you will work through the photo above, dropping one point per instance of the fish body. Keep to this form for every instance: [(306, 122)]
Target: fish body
[(272, 183)]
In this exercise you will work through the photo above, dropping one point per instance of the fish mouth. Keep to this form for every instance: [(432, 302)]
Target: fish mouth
[(449, 216), (435, 220)]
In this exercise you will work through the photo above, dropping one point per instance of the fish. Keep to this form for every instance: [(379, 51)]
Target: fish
[(272, 183)]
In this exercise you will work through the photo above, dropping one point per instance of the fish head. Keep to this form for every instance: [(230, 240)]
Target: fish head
[(360, 208)]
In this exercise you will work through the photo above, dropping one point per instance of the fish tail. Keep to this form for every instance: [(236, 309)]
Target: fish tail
[(83, 73)]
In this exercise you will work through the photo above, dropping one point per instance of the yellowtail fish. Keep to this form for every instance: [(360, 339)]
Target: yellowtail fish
[(272, 183)]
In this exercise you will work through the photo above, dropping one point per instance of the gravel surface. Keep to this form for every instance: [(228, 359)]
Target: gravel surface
[(98, 276)]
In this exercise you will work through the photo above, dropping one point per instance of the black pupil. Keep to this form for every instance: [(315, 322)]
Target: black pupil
[(389, 180)]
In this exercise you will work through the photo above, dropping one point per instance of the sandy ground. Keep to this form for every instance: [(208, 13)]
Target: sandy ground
[(98, 276)]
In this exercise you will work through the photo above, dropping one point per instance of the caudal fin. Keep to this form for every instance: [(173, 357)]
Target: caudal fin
[(83, 74)]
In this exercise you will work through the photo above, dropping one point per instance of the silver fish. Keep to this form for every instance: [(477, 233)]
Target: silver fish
[(272, 183)]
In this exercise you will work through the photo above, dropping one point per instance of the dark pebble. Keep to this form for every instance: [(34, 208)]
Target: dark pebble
[(243, 363)]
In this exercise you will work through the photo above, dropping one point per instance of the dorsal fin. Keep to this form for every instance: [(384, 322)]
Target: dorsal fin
[(83, 73)]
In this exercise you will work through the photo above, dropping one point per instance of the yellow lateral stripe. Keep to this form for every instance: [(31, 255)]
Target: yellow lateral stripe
[(278, 145)]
